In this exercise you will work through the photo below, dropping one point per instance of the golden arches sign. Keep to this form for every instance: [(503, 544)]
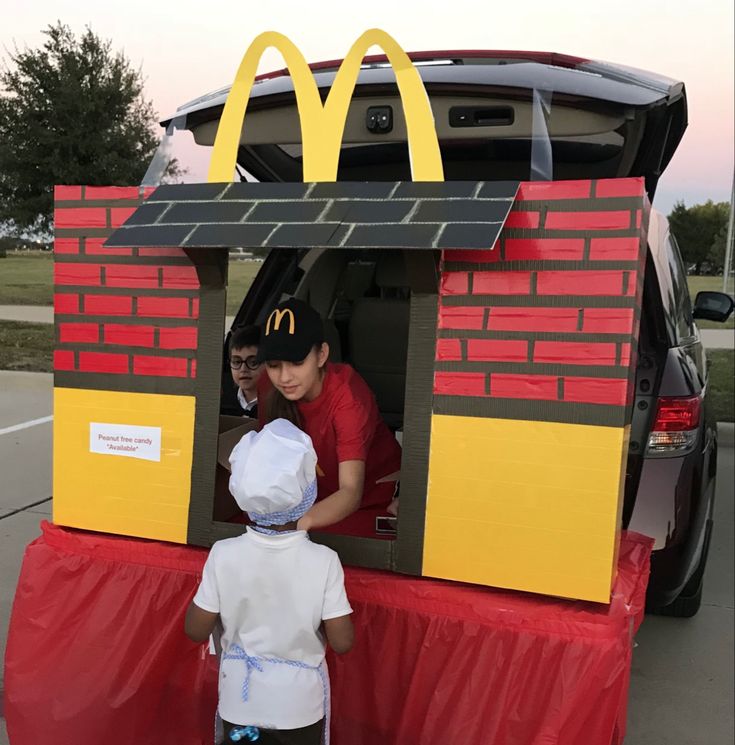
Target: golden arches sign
[(322, 127), (277, 316)]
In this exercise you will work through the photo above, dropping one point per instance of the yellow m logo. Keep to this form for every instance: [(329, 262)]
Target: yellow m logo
[(322, 127), (277, 316)]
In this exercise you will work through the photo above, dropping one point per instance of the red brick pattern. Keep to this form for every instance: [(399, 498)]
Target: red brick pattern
[(552, 190), (533, 249), (139, 277), (619, 187), (119, 215), (448, 349), (454, 283), (526, 219), (618, 220), (95, 247), (501, 283), (459, 384), (562, 320), (538, 387), (164, 366), (180, 277), (101, 362), (607, 320), (614, 249), (67, 192), (84, 333), (596, 391), (461, 318), (581, 282), (550, 314), (575, 353), (167, 307), (107, 305), (121, 311), (77, 274), (63, 360), (66, 246), (496, 350), (83, 217), (178, 338), (129, 336), (109, 192), (66, 304)]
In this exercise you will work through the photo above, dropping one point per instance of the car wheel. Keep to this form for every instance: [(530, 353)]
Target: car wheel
[(685, 606), (689, 600)]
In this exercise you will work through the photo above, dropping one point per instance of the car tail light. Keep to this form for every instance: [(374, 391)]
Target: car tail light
[(675, 428)]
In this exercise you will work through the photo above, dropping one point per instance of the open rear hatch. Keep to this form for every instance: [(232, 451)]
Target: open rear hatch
[(498, 115)]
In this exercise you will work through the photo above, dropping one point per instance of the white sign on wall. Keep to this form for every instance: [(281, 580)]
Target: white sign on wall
[(127, 440)]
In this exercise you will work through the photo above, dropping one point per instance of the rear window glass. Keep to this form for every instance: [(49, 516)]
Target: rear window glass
[(682, 305)]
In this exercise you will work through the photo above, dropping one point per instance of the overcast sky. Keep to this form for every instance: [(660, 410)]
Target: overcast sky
[(188, 48)]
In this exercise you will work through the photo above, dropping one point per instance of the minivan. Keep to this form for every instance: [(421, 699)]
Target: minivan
[(503, 116)]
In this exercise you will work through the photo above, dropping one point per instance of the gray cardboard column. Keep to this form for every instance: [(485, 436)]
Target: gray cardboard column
[(417, 411), (212, 272)]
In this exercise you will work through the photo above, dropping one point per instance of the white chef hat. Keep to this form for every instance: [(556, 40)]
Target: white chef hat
[(273, 475)]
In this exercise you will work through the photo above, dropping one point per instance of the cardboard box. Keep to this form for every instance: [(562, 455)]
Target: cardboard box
[(520, 364), (494, 388)]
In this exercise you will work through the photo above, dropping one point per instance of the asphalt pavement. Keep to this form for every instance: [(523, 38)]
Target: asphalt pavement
[(683, 678), (27, 313), (682, 689)]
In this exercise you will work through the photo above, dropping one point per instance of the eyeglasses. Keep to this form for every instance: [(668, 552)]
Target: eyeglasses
[(250, 362)]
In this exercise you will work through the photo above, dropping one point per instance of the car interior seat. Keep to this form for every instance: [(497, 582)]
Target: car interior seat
[(378, 336), (319, 291)]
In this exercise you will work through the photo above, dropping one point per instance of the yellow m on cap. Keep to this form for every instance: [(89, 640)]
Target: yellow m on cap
[(322, 127), (277, 316)]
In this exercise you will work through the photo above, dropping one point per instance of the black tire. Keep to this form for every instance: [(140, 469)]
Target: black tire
[(685, 606), (689, 600)]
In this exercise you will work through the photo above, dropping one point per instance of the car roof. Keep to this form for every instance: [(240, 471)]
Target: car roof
[(628, 122), (546, 71)]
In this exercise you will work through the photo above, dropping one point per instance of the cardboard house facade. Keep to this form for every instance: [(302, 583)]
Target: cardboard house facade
[(519, 372)]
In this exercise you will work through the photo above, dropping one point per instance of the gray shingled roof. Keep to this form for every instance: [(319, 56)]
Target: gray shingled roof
[(450, 214)]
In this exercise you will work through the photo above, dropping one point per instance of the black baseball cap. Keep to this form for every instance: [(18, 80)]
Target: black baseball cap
[(291, 329)]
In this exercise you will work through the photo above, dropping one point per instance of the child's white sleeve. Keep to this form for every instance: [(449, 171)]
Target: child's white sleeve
[(207, 596), (335, 597)]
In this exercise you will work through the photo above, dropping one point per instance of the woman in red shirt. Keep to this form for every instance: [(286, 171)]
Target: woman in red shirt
[(335, 407)]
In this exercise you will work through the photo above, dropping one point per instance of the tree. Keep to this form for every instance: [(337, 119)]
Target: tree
[(697, 229), (716, 256), (71, 112)]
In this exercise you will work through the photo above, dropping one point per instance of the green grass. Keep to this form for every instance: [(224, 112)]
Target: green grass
[(241, 276), (27, 279), (698, 284), (26, 346), (721, 395)]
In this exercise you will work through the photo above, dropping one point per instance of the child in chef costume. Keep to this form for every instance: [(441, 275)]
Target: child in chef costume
[(279, 598)]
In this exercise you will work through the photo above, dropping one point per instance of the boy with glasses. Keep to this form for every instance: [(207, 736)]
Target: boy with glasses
[(242, 352)]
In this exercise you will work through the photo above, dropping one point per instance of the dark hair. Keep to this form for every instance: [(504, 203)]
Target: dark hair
[(277, 406), (244, 336)]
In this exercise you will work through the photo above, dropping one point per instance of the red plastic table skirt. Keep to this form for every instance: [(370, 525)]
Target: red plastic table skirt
[(96, 654)]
